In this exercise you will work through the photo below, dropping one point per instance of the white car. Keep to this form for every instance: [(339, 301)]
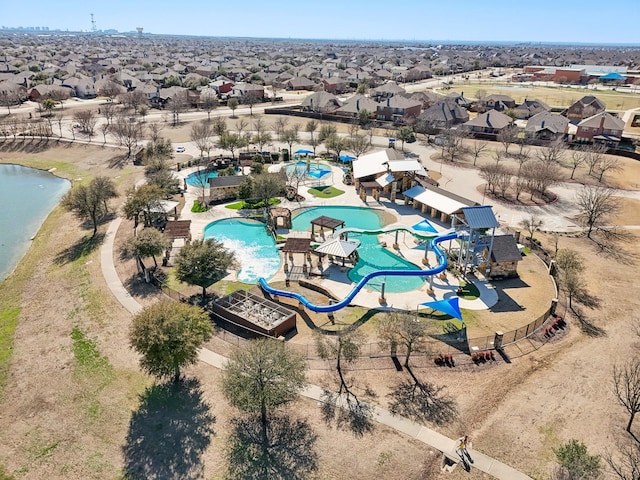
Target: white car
[(180, 149)]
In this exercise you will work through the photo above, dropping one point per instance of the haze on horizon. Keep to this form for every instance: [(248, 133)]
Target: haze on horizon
[(545, 21)]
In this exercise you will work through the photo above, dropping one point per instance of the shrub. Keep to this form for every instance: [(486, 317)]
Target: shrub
[(198, 207)]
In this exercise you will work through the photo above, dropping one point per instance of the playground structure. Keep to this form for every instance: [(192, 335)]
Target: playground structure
[(430, 272)]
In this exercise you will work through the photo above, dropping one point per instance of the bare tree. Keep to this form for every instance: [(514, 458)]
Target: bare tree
[(208, 101), (127, 132), (596, 206), (626, 386), (553, 153), (86, 120), (541, 176), (219, 126), (477, 150), (290, 136), (531, 224), (503, 181), (104, 128), (281, 125), (491, 173), (609, 163), (154, 131), (627, 467), (8, 98), (241, 125), (359, 145), (178, 104), (404, 329), (111, 90), (250, 99), (200, 134), (577, 158), (133, 99), (594, 155), (507, 136), (108, 111), (453, 144)]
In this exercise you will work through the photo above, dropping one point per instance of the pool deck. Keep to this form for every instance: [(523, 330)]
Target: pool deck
[(338, 281)]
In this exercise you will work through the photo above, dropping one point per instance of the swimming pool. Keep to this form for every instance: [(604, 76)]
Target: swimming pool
[(200, 177), (312, 169), (254, 249), (372, 255)]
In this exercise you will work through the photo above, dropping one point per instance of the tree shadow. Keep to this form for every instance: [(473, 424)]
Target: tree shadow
[(422, 401), (137, 287), (587, 299), (348, 411), (609, 242), (81, 248), (288, 452), (168, 433), (586, 326)]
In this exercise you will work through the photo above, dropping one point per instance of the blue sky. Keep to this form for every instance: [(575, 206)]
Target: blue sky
[(586, 21)]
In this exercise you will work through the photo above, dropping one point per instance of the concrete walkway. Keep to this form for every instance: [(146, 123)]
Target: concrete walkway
[(425, 435)]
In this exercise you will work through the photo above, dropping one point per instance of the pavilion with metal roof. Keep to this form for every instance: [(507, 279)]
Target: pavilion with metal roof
[(476, 227)]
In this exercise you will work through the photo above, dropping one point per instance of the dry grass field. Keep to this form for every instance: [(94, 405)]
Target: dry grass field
[(554, 96)]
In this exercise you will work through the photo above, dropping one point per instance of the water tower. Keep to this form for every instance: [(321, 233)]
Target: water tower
[(139, 29)]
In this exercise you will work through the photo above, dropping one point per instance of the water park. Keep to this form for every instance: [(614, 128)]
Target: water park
[(391, 241)]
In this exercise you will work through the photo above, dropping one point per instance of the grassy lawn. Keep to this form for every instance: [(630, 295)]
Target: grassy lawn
[(555, 96), (242, 204), (325, 192)]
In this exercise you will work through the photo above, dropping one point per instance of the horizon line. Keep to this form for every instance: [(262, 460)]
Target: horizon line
[(319, 39)]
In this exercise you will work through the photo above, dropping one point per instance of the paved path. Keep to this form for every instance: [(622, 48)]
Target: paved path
[(426, 435)]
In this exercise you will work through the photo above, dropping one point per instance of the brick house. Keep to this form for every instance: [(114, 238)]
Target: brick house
[(584, 108), (600, 128), (547, 126), (491, 122), (335, 85), (398, 109)]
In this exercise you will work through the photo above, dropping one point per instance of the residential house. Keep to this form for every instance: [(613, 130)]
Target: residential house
[(427, 98), (335, 85), (355, 104), (321, 102), (398, 109), (600, 128), (222, 86), (547, 126), (247, 91), (300, 83), (386, 90), (491, 122), (529, 108), (44, 91), (586, 107), (81, 86), (495, 102), (443, 114)]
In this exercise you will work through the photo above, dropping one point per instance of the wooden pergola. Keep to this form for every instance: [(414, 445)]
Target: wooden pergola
[(178, 229), (325, 222), (296, 245)]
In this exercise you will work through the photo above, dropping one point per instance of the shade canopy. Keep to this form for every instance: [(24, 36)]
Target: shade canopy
[(346, 158), (318, 173), (613, 76), (450, 306), (304, 151), (338, 248), (424, 226)]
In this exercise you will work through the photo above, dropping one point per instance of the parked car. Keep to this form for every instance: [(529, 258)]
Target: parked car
[(180, 149)]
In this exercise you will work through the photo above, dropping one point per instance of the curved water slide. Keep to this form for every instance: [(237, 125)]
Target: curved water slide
[(389, 229), (442, 264)]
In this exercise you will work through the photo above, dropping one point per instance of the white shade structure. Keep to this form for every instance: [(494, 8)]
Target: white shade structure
[(338, 247)]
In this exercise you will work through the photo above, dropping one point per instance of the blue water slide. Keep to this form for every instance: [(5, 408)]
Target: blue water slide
[(442, 264)]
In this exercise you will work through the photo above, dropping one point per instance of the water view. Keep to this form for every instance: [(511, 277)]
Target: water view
[(27, 197)]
